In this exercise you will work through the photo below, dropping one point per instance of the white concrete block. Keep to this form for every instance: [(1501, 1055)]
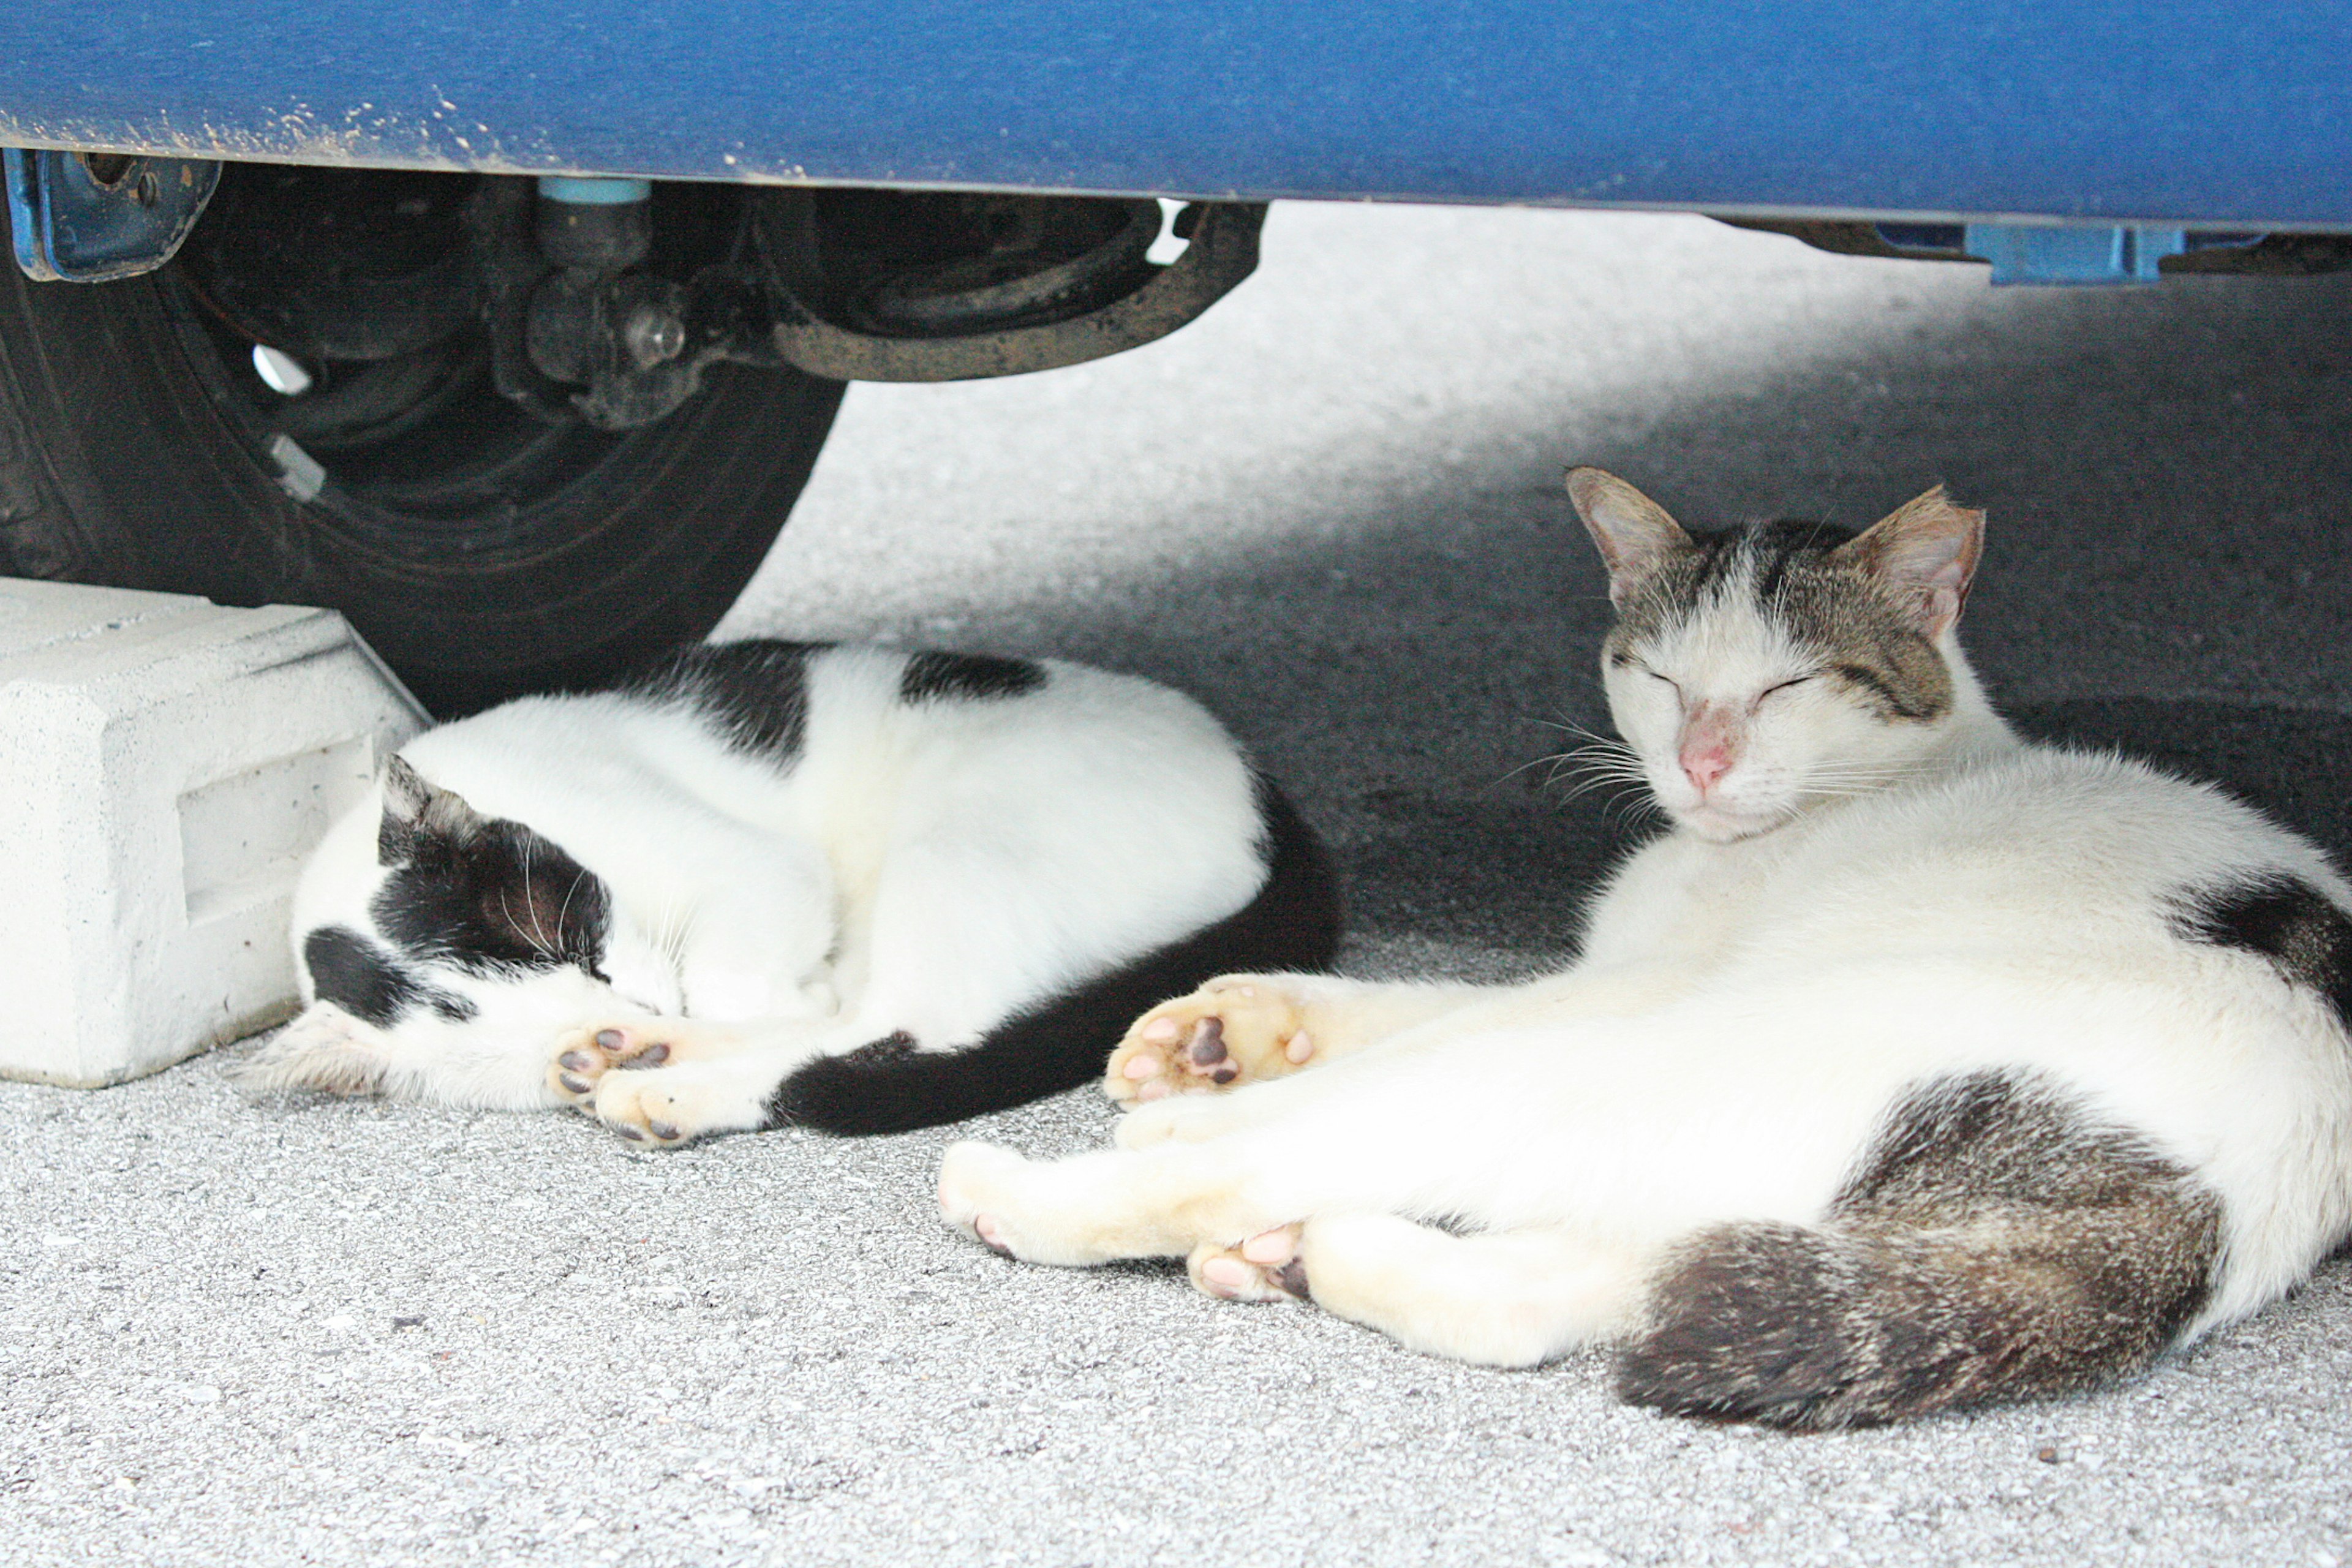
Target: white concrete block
[(164, 765)]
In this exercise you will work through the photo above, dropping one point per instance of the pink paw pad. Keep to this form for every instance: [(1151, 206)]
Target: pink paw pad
[(1261, 1269), (625, 1046)]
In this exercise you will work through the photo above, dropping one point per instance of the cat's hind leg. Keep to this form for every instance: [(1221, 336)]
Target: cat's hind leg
[(1508, 1299), (1505, 1299)]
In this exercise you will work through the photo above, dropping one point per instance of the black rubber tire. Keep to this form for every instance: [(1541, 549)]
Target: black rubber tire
[(123, 462)]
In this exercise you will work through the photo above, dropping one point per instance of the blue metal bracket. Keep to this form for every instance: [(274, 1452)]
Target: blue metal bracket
[(91, 217), (595, 193), (2038, 253)]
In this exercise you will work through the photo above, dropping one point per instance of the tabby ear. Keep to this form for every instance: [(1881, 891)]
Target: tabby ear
[(1632, 532), (323, 1049), (1923, 553), (416, 811)]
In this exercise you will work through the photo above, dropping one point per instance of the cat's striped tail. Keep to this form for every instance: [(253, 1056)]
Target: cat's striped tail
[(1996, 1246), (891, 1086)]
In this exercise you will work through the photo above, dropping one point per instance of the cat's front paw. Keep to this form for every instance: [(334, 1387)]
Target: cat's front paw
[(583, 1057), (976, 1181), (664, 1107), (1239, 1029), (1266, 1267), (661, 1081)]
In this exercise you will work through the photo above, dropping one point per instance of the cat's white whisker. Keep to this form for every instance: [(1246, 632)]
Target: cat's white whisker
[(508, 911), (1583, 787), (563, 912), (1523, 767), (539, 932)]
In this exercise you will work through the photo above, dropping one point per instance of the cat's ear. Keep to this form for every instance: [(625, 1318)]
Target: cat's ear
[(1632, 532), (417, 811), (323, 1049), (1924, 554)]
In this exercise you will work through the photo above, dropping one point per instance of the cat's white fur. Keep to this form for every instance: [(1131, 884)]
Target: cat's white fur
[(924, 868), (1855, 908)]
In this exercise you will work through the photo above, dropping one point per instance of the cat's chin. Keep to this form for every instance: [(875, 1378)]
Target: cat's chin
[(1717, 825)]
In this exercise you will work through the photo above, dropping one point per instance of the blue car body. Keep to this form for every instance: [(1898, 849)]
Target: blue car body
[(2223, 115), (502, 425)]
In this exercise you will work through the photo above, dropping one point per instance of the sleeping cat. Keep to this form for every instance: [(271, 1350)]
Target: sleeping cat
[(1915, 1067), (850, 887)]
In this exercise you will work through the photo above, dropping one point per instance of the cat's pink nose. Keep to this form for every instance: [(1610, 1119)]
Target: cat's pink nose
[(1710, 744), (1702, 768)]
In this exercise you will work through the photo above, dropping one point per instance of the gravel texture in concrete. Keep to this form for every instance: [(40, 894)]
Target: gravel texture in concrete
[(310, 1332)]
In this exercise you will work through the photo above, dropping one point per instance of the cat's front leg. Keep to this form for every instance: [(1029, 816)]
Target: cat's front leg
[(1093, 1208), (756, 946), (1247, 1028)]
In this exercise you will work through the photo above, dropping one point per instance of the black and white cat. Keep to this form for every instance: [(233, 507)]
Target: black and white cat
[(852, 887), (1917, 1067)]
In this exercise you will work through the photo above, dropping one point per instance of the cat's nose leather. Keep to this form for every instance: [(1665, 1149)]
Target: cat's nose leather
[(1706, 750), (1704, 768)]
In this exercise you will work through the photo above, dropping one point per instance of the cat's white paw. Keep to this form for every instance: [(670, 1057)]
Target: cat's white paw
[(1242, 1028), (976, 1195), (666, 1106), (1266, 1267), (583, 1056)]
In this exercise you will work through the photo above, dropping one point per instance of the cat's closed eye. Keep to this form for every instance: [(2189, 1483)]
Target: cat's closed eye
[(1783, 686)]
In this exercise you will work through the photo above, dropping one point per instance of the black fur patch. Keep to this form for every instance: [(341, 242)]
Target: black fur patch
[(362, 980), (968, 677), (1995, 1245), (2282, 918), (493, 896), (1293, 923), (754, 691)]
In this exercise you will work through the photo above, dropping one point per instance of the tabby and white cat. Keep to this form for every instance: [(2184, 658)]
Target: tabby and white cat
[(851, 888), (1915, 1067)]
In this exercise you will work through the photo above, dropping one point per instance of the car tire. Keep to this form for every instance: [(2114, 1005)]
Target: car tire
[(136, 451)]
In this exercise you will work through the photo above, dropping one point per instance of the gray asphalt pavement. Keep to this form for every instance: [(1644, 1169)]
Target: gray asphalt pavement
[(324, 1332)]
